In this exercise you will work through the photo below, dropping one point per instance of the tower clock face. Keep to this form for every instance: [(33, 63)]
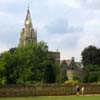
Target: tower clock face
[(27, 22)]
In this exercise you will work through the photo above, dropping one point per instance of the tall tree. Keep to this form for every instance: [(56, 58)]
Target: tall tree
[(24, 64), (28, 64), (91, 62), (90, 55)]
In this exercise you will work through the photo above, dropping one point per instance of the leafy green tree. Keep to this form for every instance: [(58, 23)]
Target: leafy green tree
[(91, 77), (91, 55), (3, 62), (49, 74), (98, 75), (76, 78), (24, 64), (28, 64), (92, 73), (91, 68)]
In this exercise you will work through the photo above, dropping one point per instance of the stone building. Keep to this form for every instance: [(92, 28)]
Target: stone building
[(29, 35), (71, 69)]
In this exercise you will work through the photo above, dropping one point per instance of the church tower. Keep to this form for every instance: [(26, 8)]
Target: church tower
[(28, 34)]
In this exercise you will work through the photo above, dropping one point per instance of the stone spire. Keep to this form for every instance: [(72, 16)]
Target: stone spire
[(28, 21), (28, 34)]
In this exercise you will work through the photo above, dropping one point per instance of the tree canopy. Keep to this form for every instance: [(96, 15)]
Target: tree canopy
[(91, 55), (27, 64), (91, 62)]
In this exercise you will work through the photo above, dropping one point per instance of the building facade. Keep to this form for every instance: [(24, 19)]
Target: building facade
[(28, 33), (71, 69)]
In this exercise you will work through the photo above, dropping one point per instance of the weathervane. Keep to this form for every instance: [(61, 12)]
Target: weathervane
[(28, 2)]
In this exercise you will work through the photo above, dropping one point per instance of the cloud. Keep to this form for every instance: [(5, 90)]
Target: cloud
[(90, 4), (69, 25), (70, 30), (6, 1), (61, 26), (9, 29)]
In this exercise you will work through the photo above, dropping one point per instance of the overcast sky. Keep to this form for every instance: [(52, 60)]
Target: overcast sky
[(66, 25)]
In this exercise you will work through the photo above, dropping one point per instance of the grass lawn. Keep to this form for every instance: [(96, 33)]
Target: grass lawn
[(56, 98)]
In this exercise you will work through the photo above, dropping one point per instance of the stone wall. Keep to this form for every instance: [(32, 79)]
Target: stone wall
[(46, 90)]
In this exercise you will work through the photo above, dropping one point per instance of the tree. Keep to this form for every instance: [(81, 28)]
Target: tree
[(91, 62), (28, 64), (24, 64), (3, 61), (91, 68), (98, 74), (49, 74), (91, 73), (91, 77), (63, 68), (90, 55)]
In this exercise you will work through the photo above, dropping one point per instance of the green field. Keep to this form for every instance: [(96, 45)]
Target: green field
[(56, 98)]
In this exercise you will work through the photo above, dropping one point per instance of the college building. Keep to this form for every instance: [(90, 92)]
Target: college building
[(28, 34)]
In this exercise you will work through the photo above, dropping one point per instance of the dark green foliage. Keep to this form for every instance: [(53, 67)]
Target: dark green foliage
[(27, 64), (63, 76), (63, 67), (76, 78), (91, 55), (91, 68), (92, 77), (85, 79), (49, 74), (92, 73), (98, 76), (91, 62)]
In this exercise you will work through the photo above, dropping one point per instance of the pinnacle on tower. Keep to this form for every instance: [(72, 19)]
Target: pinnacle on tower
[(28, 20), (28, 34)]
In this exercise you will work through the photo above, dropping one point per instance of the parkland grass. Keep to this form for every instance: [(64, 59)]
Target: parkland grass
[(56, 98)]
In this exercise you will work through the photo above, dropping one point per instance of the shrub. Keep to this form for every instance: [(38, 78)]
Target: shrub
[(71, 82)]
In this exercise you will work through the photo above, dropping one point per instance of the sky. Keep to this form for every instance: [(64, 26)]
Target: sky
[(65, 25)]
